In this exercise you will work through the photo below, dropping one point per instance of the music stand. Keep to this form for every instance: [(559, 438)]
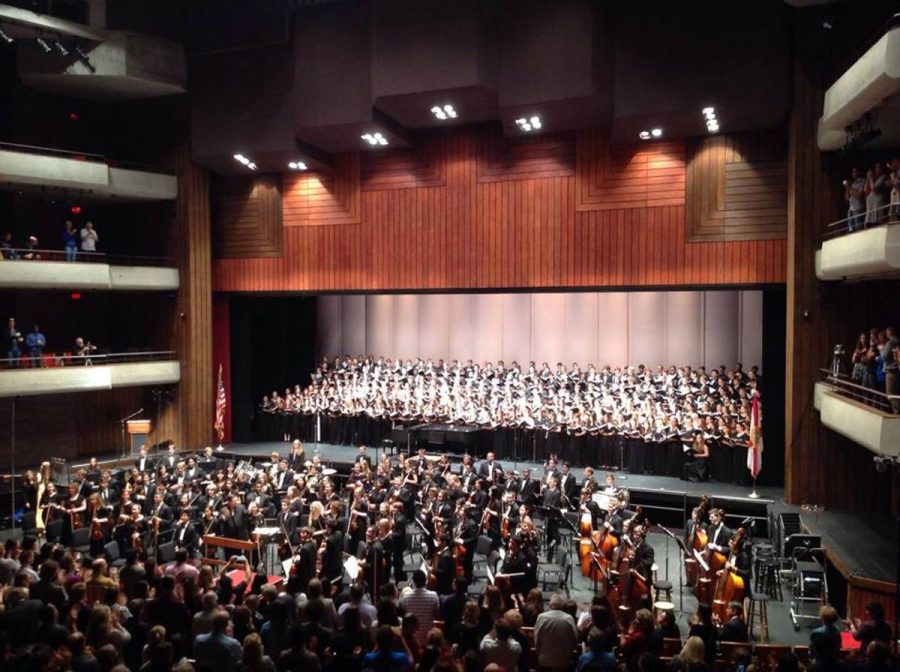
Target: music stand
[(684, 553)]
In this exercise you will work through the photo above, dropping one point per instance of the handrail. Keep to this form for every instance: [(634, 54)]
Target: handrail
[(82, 256), (61, 359), (865, 395), (844, 224), (83, 156)]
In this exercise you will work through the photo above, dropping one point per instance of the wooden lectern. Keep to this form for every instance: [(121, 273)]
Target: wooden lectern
[(138, 431)]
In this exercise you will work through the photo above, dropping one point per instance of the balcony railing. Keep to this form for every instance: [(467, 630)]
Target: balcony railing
[(59, 359), (33, 254), (85, 156), (886, 214), (840, 384)]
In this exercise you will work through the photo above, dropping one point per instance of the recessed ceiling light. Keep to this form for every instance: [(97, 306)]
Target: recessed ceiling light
[(656, 132), (444, 112), (243, 160), (374, 139), (707, 111), (529, 124), (297, 165), (644, 135)]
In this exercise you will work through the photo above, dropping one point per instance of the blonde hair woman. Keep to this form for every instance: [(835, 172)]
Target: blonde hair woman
[(692, 656)]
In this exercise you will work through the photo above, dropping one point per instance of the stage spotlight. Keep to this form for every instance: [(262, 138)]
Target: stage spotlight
[(60, 48), (240, 158), (43, 45), (656, 132), (6, 38), (297, 165), (644, 135)]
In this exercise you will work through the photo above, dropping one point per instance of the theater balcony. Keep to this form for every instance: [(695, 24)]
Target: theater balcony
[(859, 251), (26, 168), (64, 373), (89, 271), (862, 415)]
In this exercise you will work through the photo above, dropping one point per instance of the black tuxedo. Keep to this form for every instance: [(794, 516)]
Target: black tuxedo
[(719, 536), (492, 472), (163, 512), (145, 463), (734, 631), (186, 537), (528, 492), (513, 485), (283, 479), (306, 563), (468, 481), (569, 485)]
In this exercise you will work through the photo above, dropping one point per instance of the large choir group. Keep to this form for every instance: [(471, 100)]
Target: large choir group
[(637, 418)]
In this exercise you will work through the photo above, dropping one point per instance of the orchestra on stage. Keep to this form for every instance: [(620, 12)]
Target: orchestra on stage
[(463, 520)]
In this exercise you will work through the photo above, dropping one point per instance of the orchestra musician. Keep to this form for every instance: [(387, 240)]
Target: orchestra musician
[(717, 533), (552, 501), (185, 535)]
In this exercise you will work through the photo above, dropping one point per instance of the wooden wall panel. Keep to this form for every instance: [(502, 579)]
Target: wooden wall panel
[(247, 217), (470, 209), (737, 187)]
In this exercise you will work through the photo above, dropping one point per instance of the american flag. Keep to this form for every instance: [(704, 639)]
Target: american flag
[(754, 452), (221, 403)]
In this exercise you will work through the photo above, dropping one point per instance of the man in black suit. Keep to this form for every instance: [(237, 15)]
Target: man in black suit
[(528, 489), (513, 483), (186, 536), (171, 459), (284, 476), (161, 510), (490, 470), (262, 500), (144, 462), (469, 477), (289, 521), (305, 562), (735, 628), (552, 500), (446, 567), (333, 557), (717, 533), (568, 485), (361, 456)]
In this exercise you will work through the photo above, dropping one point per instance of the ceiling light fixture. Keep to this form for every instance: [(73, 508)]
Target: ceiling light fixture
[(644, 135), (6, 38), (43, 44), (83, 57), (243, 160), (374, 139), (656, 132), (297, 165), (444, 112), (712, 123), (529, 124), (60, 48)]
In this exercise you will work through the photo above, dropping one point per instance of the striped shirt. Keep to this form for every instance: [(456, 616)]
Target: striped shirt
[(425, 606)]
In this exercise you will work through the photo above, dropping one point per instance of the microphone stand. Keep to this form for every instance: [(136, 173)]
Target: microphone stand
[(122, 422)]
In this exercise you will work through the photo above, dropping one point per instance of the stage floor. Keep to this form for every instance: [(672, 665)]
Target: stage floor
[(346, 455)]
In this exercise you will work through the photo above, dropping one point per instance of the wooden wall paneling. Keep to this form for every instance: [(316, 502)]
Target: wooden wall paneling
[(247, 216), (473, 210), (736, 187)]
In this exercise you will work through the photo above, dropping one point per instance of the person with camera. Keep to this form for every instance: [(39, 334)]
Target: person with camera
[(84, 350), (13, 338)]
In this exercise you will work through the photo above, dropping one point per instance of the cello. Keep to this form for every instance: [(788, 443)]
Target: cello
[(729, 585)]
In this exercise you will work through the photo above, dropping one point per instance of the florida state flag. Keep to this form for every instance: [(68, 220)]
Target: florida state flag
[(221, 403), (754, 452)]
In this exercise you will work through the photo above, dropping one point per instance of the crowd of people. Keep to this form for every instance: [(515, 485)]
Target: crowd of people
[(873, 198), (638, 418), (74, 241), (84, 610), (34, 343), (875, 362)]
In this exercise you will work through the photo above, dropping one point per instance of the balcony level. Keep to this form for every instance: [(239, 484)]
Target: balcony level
[(65, 374), (859, 252), (860, 414), (26, 168), (90, 271)]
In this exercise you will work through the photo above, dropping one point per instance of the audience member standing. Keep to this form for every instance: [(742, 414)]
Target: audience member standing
[(35, 342), (555, 636), (70, 240), (13, 338), (854, 193), (89, 238), (7, 251)]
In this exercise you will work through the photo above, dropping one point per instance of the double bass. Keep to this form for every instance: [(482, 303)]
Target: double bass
[(696, 541), (729, 585), (632, 590)]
